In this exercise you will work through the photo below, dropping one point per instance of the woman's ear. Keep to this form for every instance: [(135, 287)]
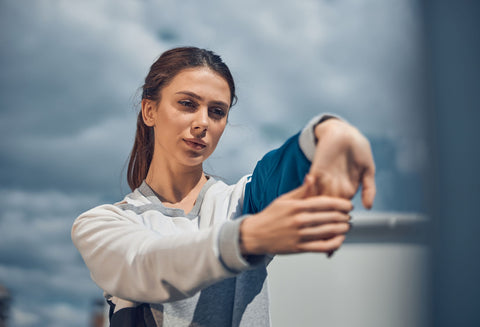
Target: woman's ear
[(149, 109)]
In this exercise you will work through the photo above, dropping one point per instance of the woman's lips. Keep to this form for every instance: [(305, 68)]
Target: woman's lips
[(195, 144)]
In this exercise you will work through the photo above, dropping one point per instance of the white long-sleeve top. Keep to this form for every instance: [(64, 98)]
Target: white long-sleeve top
[(139, 251)]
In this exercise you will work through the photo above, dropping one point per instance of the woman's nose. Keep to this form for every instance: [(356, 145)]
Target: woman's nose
[(200, 123)]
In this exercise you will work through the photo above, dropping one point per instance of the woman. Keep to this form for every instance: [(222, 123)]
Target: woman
[(184, 249)]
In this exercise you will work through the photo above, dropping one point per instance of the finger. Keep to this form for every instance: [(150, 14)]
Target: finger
[(303, 191), (324, 231), (368, 188), (325, 203), (309, 219), (328, 245)]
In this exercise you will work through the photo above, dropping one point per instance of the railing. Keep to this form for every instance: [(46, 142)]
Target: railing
[(390, 227)]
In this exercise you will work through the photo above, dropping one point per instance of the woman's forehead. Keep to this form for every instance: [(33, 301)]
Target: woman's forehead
[(201, 80)]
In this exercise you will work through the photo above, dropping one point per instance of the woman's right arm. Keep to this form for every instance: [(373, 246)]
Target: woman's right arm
[(298, 221), (130, 261)]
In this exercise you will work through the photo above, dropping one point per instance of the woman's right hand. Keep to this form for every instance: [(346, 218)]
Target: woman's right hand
[(297, 222)]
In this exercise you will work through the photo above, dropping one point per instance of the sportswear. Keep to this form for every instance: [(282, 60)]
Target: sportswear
[(161, 267)]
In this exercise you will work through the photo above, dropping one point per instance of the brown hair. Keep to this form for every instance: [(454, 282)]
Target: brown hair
[(163, 70)]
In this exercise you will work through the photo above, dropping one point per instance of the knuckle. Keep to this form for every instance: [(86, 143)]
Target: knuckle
[(340, 217), (290, 205), (298, 220), (300, 206), (298, 248)]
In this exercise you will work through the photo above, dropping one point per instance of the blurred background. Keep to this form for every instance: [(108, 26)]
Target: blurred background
[(406, 73)]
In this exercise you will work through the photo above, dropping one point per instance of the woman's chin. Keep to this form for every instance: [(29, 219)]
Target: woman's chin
[(193, 161)]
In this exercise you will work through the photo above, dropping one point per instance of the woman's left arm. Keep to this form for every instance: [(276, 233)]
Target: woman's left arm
[(335, 153), (343, 161)]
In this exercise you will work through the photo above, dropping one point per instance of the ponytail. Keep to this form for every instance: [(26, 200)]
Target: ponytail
[(162, 71), (141, 155)]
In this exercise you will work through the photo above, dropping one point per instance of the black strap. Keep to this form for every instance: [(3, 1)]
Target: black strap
[(140, 316)]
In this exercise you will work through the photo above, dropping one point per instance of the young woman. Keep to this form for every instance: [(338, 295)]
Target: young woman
[(185, 249)]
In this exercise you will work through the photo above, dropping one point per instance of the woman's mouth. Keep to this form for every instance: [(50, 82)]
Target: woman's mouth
[(195, 144)]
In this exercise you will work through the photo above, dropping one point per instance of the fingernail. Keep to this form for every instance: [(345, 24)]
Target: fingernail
[(350, 217)]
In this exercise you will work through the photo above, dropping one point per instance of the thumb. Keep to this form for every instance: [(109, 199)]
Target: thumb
[(368, 189), (305, 190)]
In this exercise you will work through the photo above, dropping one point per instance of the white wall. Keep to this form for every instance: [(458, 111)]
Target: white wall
[(379, 278)]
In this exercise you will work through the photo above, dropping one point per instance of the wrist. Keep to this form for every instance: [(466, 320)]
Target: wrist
[(248, 243), (319, 128)]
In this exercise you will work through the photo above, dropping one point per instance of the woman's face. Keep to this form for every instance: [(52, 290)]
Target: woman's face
[(190, 116)]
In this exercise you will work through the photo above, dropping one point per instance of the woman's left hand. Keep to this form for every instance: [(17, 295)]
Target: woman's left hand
[(343, 160)]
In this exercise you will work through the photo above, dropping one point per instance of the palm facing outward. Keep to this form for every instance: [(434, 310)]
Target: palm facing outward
[(314, 217)]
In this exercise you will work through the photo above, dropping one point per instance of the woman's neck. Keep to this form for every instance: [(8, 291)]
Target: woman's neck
[(176, 186)]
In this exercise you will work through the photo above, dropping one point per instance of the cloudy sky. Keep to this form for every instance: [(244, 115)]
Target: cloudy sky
[(70, 74)]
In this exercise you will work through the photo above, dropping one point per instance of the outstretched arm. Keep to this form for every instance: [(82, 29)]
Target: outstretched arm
[(313, 217), (332, 151)]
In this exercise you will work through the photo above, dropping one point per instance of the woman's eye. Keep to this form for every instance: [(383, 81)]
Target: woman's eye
[(187, 103), (217, 113)]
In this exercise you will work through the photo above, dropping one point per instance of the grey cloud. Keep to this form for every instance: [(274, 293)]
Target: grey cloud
[(54, 315), (62, 74), (70, 72), (38, 262), (338, 57)]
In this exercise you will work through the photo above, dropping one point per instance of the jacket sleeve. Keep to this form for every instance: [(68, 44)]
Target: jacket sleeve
[(281, 170), (130, 261), (135, 263)]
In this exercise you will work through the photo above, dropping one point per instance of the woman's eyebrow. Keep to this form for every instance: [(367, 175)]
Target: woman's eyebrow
[(193, 95), (219, 103), (199, 98)]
